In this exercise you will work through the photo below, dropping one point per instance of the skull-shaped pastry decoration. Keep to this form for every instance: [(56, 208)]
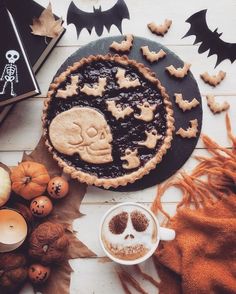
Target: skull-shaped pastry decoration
[(129, 233), (82, 130)]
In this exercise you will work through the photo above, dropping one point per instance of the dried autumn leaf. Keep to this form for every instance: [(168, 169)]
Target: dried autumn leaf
[(65, 212), (46, 25)]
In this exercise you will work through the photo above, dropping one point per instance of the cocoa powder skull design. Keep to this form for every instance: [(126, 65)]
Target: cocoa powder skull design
[(129, 234), (82, 130)]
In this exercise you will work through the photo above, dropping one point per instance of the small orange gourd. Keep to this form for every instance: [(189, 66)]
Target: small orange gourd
[(38, 273), (58, 187), (41, 206), (29, 179)]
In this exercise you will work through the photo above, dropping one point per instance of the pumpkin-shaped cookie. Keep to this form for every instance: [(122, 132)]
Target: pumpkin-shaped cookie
[(29, 179), (48, 243)]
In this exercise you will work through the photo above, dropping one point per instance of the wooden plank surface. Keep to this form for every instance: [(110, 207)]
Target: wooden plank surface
[(22, 129)]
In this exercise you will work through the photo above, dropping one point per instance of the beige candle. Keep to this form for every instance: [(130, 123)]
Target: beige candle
[(13, 230)]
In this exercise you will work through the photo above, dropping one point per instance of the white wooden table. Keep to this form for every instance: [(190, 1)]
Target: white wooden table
[(22, 128)]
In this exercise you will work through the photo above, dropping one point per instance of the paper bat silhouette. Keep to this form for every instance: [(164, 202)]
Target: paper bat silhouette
[(209, 39), (97, 19)]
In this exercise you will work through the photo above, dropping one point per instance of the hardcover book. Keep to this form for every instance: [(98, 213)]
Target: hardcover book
[(37, 47), (41, 47), (17, 80)]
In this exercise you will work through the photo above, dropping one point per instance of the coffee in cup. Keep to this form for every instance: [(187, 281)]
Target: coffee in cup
[(129, 233)]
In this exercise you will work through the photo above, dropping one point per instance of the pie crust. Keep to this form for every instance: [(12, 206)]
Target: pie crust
[(57, 126)]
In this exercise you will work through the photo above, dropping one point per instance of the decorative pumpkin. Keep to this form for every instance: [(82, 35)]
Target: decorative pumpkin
[(29, 179), (5, 186), (13, 272), (58, 187), (48, 243), (38, 273), (41, 206)]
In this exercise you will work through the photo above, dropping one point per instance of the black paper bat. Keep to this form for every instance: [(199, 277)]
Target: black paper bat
[(98, 18), (209, 39)]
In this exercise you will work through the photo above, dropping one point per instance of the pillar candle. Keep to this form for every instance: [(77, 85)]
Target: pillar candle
[(13, 230)]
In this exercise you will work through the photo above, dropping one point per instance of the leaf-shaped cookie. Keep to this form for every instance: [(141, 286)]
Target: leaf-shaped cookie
[(46, 25)]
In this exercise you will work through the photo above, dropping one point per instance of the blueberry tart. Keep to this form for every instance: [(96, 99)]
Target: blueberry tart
[(107, 120)]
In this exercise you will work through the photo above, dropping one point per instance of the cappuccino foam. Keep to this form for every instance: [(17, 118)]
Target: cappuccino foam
[(129, 232)]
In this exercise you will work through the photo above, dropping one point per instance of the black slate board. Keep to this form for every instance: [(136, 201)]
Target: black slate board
[(181, 149)]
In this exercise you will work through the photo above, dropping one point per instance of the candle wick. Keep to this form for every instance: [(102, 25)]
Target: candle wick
[(11, 227)]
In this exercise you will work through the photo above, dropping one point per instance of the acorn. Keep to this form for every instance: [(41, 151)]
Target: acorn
[(41, 206), (58, 187), (38, 273)]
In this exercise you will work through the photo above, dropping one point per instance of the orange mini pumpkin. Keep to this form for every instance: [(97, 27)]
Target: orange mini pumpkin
[(58, 187), (41, 206), (29, 179), (38, 273)]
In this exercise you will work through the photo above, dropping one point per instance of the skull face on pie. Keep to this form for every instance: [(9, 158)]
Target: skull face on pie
[(110, 130), (83, 131)]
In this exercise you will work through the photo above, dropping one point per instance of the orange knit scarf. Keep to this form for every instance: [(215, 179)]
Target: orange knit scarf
[(202, 258)]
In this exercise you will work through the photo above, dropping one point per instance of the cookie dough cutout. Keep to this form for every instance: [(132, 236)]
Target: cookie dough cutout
[(125, 82), (117, 110), (132, 159), (214, 106), (151, 140), (96, 89), (147, 111), (151, 55), (124, 46), (185, 104), (180, 72), (160, 30), (191, 131), (213, 80), (70, 90)]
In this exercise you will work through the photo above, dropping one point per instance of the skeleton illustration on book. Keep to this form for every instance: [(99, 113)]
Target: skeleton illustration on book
[(10, 74)]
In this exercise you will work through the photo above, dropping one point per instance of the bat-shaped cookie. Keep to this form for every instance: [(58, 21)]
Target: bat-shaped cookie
[(209, 39), (97, 19)]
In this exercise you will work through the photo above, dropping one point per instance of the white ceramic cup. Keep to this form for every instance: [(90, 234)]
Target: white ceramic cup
[(163, 234)]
